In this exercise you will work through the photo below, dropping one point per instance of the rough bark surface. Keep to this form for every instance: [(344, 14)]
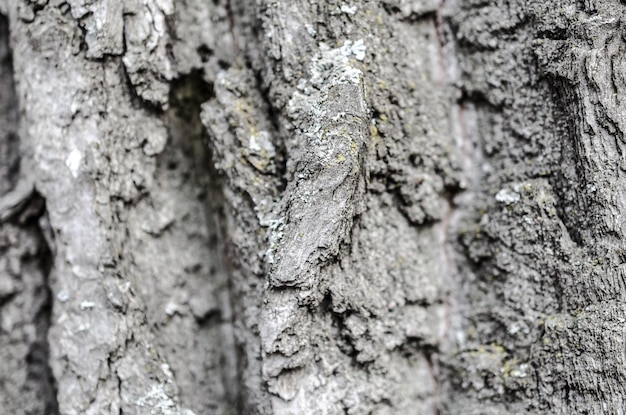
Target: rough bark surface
[(342, 177), (137, 281), (321, 207), (542, 303)]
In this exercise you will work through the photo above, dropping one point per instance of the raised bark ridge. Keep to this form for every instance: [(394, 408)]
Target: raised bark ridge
[(136, 327), (327, 167), (25, 259)]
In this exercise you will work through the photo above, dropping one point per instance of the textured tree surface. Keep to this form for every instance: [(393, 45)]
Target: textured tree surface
[(312, 207)]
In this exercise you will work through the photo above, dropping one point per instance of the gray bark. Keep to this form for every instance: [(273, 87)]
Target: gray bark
[(288, 207)]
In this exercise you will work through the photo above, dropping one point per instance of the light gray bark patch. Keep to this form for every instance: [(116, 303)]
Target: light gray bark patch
[(141, 306), (135, 30), (25, 261), (202, 36), (92, 152), (146, 56), (103, 23)]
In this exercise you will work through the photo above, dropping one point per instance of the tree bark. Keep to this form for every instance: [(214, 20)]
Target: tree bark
[(272, 207)]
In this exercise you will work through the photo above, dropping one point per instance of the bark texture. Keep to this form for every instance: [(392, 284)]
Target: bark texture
[(137, 279), (25, 377), (543, 328), (320, 207)]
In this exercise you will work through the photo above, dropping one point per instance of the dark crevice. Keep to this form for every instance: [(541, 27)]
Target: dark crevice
[(224, 65), (345, 341), (82, 30), (431, 358), (9, 140), (189, 137), (113, 372), (273, 115), (136, 100), (210, 319), (391, 9), (205, 53), (187, 94), (40, 371), (34, 296), (568, 182)]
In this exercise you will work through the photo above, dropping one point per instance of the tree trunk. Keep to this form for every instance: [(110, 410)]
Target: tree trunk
[(320, 207)]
